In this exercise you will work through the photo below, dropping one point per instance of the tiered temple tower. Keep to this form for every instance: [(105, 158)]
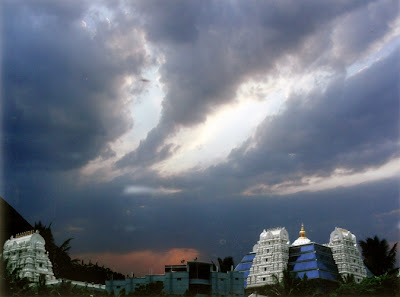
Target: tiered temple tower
[(272, 255), (26, 251), (325, 262), (346, 254)]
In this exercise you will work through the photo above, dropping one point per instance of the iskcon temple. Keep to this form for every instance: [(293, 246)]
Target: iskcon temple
[(265, 264), (273, 253), (27, 252)]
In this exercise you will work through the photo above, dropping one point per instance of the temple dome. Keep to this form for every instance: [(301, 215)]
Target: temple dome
[(302, 239)]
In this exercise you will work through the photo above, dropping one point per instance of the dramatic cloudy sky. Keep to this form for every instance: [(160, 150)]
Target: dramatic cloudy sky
[(155, 131)]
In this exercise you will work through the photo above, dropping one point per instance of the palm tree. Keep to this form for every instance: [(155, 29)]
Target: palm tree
[(378, 257), (58, 254), (226, 264)]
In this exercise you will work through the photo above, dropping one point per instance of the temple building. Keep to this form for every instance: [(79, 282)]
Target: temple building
[(273, 253), (27, 252), (346, 254)]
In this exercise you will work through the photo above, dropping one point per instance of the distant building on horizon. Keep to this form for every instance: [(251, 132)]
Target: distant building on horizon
[(200, 278), (273, 253)]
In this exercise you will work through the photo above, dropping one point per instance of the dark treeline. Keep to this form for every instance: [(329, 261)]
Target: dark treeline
[(73, 269)]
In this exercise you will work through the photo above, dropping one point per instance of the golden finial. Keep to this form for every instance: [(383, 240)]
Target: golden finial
[(302, 232)]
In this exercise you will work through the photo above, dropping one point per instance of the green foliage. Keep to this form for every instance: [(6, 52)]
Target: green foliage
[(348, 279), (58, 254), (291, 285), (12, 284), (384, 285), (377, 256)]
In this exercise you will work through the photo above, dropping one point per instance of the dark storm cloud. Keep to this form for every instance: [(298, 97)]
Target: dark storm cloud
[(213, 47), (62, 92), (62, 106), (215, 227)]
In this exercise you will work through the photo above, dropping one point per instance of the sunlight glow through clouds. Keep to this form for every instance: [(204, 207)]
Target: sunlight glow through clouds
[(137, 189), (145, 111), (210, 142), (141, 262), (339, 178)]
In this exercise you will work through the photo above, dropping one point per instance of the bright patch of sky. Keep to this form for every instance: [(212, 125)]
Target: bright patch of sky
[(339, 178), (382, 48), (138, 189), (210, 142), (145, 110)]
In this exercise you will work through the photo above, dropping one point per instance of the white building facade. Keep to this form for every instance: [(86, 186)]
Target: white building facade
[(26, 251), (272, 255), (346, 254)]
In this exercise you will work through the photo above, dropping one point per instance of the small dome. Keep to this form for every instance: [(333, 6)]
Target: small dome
[(302, 239)]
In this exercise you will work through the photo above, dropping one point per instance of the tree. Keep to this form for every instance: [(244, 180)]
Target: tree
[(62, 263), (378, 257), (384, 285), (12, 284), (288, 285), (226, 264), (65, 267), (347, 279)]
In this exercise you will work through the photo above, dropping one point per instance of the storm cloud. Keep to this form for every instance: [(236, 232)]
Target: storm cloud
[(184, 128)]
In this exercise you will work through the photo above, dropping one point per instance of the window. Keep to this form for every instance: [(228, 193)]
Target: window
[(179, 279), (266, 259), (263, 278), (236, 278), (265, 268)]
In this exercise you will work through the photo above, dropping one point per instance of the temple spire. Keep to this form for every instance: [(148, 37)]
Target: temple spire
[(302, 232)]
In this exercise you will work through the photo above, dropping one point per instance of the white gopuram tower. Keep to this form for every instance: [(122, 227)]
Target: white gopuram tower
[(27, 252), (272, 255), (346, 254)]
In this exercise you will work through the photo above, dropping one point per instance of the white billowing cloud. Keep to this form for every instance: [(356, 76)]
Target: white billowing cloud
[(138, 189), (339, 178), (211, 142)]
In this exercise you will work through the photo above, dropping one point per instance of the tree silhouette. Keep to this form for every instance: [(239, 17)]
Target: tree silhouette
[(72, 269), (378, 256), (11, 282), (288, 285), (226, 264), (58, 254)]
